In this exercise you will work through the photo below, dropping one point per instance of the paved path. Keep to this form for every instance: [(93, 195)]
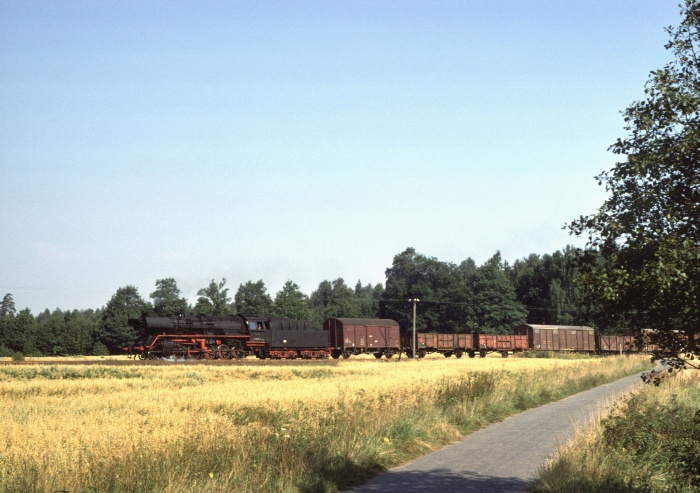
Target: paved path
[(505, 456)]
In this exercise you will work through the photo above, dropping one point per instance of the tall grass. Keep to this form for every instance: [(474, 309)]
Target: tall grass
[(281, 428), (650, 443)]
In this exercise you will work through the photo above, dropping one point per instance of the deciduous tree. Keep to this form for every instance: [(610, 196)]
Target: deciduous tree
[(167, 297), (113, 330), (214, 298), (252, 297), (495, 304), (648, 230), (441, 288), (290, 302)]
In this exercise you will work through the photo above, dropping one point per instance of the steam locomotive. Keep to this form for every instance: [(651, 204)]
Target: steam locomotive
[(202, 336), (196, 336)]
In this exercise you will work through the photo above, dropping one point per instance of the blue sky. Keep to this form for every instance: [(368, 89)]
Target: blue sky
[(301, 141)]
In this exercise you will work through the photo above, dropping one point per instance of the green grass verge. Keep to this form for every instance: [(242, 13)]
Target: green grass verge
[(649, 444)]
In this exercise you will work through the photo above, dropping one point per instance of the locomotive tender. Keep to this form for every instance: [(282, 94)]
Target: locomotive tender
[(202, 336)]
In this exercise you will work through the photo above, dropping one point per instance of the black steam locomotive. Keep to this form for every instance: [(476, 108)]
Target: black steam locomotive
[(196, 336)]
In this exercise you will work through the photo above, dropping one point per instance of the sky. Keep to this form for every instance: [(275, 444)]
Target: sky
[(302, 141)]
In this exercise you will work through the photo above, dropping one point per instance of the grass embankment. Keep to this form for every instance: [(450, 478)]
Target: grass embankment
[(650, 443), (289, 427)]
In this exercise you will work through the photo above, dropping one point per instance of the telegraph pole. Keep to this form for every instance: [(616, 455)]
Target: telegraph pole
[(414, 300)]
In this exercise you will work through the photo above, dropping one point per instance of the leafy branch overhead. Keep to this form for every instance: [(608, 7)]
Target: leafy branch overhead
[(643, 256)]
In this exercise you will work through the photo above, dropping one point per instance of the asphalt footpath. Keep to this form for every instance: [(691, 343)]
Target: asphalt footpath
[(505, 456)]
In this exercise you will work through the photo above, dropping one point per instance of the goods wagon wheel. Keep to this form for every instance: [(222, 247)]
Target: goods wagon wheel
[(389, 354), (377, 355), (458, 354), (421, 353), (346, 354), (335, 354), (447, 354), (471, 354), (224, 351)]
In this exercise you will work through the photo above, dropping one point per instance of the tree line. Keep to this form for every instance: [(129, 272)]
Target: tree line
[(464, 297)]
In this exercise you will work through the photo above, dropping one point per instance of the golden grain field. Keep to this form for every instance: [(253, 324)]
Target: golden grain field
[(67, 427)]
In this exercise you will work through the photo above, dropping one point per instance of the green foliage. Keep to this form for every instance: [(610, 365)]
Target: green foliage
[(648, 230), (252, 297), (333, 299), (7, 306), (99, 349), (452, 298), (650, 444), (290, 302), (666, 435), (546, 286), (167, 298), (214, 298), (496, 308), (367, 298), (113, 330), (442, 288)]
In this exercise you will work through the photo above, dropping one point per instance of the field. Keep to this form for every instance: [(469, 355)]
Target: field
[(258, 426)]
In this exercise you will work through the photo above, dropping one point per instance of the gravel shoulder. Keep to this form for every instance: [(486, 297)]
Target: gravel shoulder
[(505, 456)]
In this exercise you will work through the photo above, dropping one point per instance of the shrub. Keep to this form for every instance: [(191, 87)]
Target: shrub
[(99, 349), (666, 436)]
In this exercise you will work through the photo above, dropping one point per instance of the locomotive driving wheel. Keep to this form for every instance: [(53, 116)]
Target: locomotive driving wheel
[(224, 351), (238, 352), (210, 352)]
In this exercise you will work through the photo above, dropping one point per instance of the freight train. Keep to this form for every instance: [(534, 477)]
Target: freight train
[(201, 336)]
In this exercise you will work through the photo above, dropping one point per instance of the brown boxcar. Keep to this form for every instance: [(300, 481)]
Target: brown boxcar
[(558, 337), (502, 343), (363, 335)]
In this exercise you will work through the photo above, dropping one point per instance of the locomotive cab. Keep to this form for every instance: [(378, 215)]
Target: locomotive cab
[(258, 330)]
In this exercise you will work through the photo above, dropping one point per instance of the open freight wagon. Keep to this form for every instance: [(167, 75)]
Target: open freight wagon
[(445, 344)]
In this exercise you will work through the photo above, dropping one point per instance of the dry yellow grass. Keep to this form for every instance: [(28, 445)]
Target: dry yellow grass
[(69, 421)]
